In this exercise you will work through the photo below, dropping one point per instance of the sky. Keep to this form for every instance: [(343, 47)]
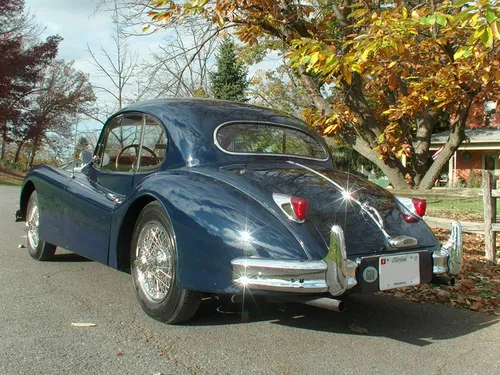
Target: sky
[(79, 22)]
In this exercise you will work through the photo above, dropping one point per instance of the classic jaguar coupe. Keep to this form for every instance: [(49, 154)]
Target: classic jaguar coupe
[(200, 197)]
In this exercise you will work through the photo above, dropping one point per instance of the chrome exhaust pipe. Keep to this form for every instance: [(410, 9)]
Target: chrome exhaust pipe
[(331, 304)]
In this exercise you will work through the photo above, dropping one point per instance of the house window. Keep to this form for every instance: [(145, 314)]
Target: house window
[(490, 162)]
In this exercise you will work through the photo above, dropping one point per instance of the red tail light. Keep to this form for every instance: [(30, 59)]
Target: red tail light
[(295, 208), (300, 207), (420, 206)]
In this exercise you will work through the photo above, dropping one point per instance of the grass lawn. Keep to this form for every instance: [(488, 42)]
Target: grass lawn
[(12, 178), (466, 209)]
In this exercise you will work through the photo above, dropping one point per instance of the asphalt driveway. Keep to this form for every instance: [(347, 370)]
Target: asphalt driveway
[(40, 300)]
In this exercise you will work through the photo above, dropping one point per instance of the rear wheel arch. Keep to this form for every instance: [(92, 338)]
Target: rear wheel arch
[(28, 189)]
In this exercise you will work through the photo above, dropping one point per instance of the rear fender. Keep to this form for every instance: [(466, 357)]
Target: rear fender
[(213, 224)]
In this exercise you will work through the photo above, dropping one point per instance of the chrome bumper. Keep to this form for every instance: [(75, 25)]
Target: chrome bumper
[(449, 259), (335, 273)]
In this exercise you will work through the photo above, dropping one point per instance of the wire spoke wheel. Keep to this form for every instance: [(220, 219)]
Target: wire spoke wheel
[(154, 254), (154, 266), (32, 225), (37, 247)]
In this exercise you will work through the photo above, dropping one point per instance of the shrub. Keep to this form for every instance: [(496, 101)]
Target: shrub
[(17, 167), (475, 179)]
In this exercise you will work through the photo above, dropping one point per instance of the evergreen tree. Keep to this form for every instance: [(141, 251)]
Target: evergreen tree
[(229, 82)]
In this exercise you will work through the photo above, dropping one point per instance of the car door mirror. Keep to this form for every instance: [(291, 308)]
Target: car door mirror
[(86, 157)]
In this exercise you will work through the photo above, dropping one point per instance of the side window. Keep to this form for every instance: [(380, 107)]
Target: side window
[(154, 146), (121, 146)]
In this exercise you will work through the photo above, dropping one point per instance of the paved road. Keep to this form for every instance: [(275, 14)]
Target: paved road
[(40, 300)]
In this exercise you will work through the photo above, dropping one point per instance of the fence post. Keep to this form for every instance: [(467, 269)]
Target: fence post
[(489, 215)]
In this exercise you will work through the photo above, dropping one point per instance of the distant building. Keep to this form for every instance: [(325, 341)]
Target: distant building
[(480, 151)]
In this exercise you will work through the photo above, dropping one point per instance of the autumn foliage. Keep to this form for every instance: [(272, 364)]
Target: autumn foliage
[(38, 93), (379, 76)]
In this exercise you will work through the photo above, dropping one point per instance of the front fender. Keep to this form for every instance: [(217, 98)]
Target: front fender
[(49, 182), (215, 223)]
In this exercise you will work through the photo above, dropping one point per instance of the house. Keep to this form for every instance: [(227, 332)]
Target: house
[(480, 151)]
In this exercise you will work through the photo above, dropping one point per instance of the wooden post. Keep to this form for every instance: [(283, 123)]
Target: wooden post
[(488, 204)]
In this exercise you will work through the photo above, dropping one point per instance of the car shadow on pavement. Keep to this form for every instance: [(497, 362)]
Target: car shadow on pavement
[(68, 257), (369, 315)]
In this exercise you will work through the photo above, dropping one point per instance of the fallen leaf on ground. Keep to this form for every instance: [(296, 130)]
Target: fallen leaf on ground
[(45, 276), (477, 287), (476, 306), (357, 329), (83, 325)]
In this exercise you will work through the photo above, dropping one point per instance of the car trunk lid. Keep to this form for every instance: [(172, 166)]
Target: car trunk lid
[(368, 214)]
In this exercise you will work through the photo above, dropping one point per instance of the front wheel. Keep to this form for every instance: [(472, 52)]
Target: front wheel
[(154, 269), (38, 249)]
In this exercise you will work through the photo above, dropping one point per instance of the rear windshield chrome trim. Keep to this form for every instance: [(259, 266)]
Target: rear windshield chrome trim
[(316, 137)]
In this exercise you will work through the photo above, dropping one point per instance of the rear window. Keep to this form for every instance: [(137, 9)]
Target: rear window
[(268, 139)]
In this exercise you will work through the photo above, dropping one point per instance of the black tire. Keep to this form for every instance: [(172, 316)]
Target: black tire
[(175, 305), (38, 249)]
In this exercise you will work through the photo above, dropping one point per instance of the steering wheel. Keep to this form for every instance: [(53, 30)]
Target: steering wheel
[(136, 147)]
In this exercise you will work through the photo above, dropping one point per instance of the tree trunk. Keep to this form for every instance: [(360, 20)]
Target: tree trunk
[(420, 157), (457, 135), (3, 126), (18, 151), (393, 169), (33, 152)]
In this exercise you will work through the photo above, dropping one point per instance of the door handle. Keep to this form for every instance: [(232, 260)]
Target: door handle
[(112, 197)]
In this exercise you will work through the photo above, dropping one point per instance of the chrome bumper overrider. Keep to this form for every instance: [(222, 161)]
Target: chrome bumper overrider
[(335, 273), (448, 260)]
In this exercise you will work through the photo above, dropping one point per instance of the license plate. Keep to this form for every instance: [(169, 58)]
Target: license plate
[(398, 271)]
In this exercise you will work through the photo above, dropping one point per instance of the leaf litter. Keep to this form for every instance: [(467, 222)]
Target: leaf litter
[(477, 287)]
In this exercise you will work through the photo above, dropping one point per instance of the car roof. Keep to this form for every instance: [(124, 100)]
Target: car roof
[(191, 123)]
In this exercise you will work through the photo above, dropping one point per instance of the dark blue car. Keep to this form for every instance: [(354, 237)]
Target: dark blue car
[(203, 197)]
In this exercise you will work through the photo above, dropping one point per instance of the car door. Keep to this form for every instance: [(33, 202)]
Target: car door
[(93, 195)]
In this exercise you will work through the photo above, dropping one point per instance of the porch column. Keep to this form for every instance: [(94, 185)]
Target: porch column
[(451, 172)]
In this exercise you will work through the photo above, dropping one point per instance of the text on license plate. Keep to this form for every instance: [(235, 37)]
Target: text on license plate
[(398, 271)]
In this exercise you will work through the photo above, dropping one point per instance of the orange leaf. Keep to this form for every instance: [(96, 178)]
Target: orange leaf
[(476, 306), (393, 81)]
